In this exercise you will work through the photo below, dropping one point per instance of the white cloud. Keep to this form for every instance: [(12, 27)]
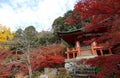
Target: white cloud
[(39, 13)]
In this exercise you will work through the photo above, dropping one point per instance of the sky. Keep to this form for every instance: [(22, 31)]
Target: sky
[(38, 13)]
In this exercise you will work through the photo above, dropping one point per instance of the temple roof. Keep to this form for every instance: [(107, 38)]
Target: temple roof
[(80, 35)]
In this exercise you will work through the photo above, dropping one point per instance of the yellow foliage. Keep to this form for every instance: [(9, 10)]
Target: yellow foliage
[(5, 35)]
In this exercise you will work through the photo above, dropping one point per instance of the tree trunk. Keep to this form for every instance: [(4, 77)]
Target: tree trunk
[(29, 66), (30, 71)]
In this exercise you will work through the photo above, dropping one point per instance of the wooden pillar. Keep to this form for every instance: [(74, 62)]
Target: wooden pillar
[(110, 52), (93, 46), (68, 55), (101, 52), (94, 51), (78, 47), (73, 54), (77, 44)]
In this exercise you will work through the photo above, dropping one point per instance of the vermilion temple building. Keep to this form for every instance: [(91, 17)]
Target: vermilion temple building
[(80, 50)]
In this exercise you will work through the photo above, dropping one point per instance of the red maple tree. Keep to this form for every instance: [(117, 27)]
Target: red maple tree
[(4, 68), (47, 56)]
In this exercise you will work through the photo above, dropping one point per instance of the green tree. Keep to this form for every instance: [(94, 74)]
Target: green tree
[(58, 24), (31, 34), (71, 21), (25, 41), (19, 33), (47, 38), (61, 25)]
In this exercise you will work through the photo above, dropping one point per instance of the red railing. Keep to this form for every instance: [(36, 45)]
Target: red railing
[(73, 52)]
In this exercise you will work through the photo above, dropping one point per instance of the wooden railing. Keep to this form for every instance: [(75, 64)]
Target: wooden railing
[(72, 52)]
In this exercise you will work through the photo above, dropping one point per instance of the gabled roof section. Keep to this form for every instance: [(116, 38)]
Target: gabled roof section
[(80, 35)]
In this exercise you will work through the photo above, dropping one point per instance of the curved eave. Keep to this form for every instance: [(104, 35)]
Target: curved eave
[(70, 37), (81, 35)]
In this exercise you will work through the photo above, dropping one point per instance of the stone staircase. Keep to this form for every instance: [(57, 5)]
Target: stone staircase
[(86, 54), (84, 71)]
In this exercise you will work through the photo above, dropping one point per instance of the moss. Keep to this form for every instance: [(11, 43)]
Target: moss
[(98, 69), (63, 75), (36, 74)]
